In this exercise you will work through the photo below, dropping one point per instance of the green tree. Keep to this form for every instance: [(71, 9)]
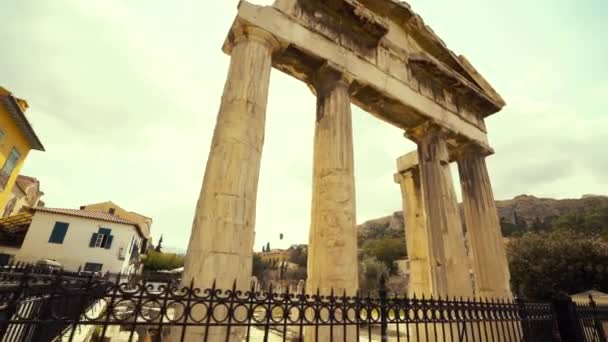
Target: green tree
[(386, 250), (592, 220), (298, 256), (268, 247), (370, 271), (259, 267), (543, 264), (156, 261), (159, 245)]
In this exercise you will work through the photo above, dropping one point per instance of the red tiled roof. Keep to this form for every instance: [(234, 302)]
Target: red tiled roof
[(91, 214)]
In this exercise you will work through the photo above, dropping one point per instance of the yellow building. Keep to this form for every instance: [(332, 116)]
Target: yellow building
[(17, 138), (275, 255)]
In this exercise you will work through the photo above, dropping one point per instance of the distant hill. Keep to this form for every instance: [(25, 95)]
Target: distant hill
[(517, 214), (530, 208)]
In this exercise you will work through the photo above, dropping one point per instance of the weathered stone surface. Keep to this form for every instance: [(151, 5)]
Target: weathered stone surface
[(384, 81), (450, 267), (333, 234), (332, 255), (416, 234), (221, 244), (490, 264)]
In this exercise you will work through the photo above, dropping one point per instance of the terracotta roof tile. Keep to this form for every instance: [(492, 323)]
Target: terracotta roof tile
[(91, 214)]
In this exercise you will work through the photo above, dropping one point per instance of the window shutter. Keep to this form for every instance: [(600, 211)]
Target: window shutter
[(58, 233), (109, 241), (93, 239), (104, 231)]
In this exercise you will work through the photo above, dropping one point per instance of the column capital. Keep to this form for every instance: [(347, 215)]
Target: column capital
[(243, 33), (418, 133), (328, 76), (469, 149)]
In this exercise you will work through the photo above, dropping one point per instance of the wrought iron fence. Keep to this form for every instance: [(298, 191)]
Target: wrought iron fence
[(76, 308), (593, 320)]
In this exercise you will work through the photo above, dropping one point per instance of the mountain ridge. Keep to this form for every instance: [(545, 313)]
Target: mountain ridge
[(524, 209)]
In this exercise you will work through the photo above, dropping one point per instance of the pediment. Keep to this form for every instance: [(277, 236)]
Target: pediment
[(392, 24), (401, 13)]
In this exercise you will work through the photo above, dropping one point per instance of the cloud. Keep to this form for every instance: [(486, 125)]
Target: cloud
[(125, 99)]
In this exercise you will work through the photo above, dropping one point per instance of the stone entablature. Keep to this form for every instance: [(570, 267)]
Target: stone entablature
[(407, 73), (381, 56)]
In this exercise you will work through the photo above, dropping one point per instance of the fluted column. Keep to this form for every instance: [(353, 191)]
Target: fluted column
[(416, 236), (483, 226), (221, 242), (447, 253), (332, 258)]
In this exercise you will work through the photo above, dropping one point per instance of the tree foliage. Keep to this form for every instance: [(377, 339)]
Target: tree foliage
[(370, 271), (260, 267), (298, 256), (159, 245), (156, 261), (386, 250), (543, 264), (592, 221)]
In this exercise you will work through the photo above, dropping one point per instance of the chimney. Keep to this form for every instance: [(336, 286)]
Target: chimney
[(82, 207), (111, 211)]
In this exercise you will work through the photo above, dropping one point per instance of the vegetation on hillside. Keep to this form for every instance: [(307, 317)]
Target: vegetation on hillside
[(590, 218), (291, 270), (556, 245), (386, 250), (563, 260), (157, 261)]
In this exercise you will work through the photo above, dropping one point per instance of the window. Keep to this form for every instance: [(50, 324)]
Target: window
[(9, 166), (58, 233), (5, 259), (92, 267), (102, 239)]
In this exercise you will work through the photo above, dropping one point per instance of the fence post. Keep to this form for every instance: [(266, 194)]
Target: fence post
[(15, 297), (383, 310), (523, 315), (567, 319), (598, 325)]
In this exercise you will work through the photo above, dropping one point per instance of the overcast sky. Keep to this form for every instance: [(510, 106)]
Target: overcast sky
[(124, 96)]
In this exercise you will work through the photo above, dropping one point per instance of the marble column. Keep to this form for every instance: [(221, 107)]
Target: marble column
[(490, 264), (447, 253), (415, 233), (332, 258), (221, 243)]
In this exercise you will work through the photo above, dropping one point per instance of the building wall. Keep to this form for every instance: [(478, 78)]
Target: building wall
[(143, 221), (6, 250), (12, 138), (74, 252), (18, 199), (277, 255)]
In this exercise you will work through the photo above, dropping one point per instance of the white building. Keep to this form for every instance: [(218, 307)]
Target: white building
[(90, 240)]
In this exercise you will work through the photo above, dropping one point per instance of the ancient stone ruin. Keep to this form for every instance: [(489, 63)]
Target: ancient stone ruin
[(379, 55)]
